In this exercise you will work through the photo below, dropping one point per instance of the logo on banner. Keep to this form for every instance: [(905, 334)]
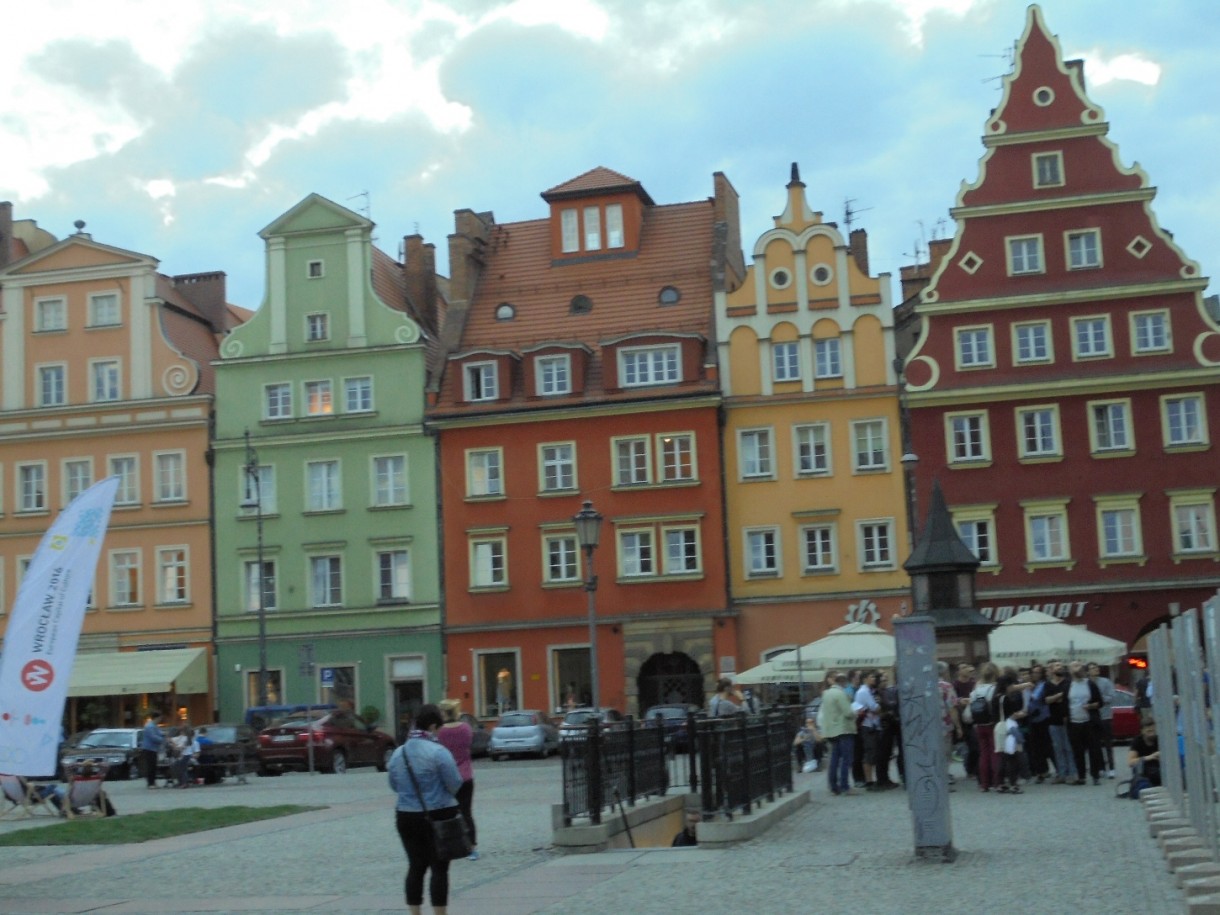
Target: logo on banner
[(37, 675)]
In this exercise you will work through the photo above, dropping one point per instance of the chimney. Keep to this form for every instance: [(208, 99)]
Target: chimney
[(419, 274), (858, 245), (726, 210), (1077, 66), (6, 233), (206, 291)]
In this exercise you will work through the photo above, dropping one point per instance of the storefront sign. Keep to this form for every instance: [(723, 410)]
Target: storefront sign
[(1060, 610)]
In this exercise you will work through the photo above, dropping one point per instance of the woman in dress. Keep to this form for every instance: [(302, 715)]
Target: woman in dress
[(437, 776), (456, 735)]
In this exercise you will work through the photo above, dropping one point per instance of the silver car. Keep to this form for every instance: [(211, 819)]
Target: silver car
[(524, 732)]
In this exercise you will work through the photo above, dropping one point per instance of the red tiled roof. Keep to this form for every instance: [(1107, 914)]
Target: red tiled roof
[(598, 180), (190, 332)]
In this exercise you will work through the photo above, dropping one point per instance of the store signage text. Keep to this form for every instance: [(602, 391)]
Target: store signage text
[(1063, 611)]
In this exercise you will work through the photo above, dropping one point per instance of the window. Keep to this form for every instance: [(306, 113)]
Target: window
[(77, 476), (1150, 332), (258, 491), (487, 566), (593, 228), (649, 365), (480, 381), (124, 578), (978, 535), (1038, 432), (104, 309), (786, 361), (127, 470), (390, 480), (358, 394), (1083, 249), (557, 467), (1118, 528), (818, 548), (105, 374), (876, 545), (635, 552), (1194, 522), (1048, 169), (277, 401), (754, 453), (631, 462), (826, 358), (1046, 534), (1032, 342), (318, 400), (393, 575), (974, 349), (52, 390), (1024, 254), (315, 270), (968, 437), (483, 476), (562, 559), (1091, 336), (762, 553), (171, 575), (870, 450), (317, 327), (323, 486), (614, 226), (677, 453), (169, 476), (553, 375), (1110, 426), (1183, 420), (50, 314), (812, 444), (681, 550), (325, 581), (252, 584), (570, 231), (32, 487)]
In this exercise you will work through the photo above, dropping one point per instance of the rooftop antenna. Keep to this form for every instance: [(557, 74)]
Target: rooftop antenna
[(1009, 56), (367, 209), (849, 213), (920, 255)]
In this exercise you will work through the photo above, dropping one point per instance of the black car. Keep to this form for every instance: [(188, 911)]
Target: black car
[(673, 718), (225, 749), (117, 748)]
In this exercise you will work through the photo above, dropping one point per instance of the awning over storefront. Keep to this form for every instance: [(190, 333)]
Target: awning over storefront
[(125, 673)]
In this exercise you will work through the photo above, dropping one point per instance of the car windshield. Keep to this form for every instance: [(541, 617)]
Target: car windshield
[(518, 720), (220, 734), (109, 739), (667, 712), (579, 717)]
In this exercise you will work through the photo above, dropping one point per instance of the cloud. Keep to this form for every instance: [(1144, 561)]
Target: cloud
[(1133, 67)]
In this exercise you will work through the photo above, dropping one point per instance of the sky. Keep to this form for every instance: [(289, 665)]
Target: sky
[(181, 129)]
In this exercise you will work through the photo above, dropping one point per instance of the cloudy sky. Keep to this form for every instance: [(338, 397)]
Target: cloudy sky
[(181, 129)]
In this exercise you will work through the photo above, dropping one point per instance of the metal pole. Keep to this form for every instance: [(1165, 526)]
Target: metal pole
[(255, 477), (591, 588)]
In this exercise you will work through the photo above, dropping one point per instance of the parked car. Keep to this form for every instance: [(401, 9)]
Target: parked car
[(673, 718), (231, 749), (1126, 723), (481, 738), (575, 724), (117, 748), (264, 716), (340, 740), (523, 732)]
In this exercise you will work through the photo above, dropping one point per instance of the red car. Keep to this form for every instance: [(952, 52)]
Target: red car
[(1126, 722), (340, 740)]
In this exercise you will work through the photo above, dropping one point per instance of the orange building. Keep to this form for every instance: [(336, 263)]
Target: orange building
[(106, 373), (580, 367)]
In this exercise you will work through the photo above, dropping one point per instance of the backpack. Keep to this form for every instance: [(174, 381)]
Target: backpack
[(980, 709)]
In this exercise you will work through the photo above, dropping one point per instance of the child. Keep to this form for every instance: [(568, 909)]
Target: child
[(1009, 742)]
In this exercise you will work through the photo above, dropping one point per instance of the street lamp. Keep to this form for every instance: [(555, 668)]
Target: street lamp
[(254, 500), (910, 460), (588, 534)]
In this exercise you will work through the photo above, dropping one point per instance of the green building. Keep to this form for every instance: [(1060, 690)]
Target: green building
[(320, 445)]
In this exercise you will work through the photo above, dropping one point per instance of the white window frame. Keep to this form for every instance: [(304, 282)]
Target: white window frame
[(1078, 254), (592, 219), (358, 394), (264, 493), (1046, 449), (1192, 518), (105, 318), (319, 397), (480, 381), (250, 584), (974, 346), (323, 485), (50, 314), (106, 388), (392, 574), (1018, 251), (388, 475), (1139, 334), (553, 375), (1050, 156), (637, 552), (569, 230), (557, 467), (1035, 328), (1126, 511), (1107, 437), (615, 237), (1199, 438), (970, 521), (173, 561), (811, 457), (1091, 337), (975, 447), (277, 400), (875, 544), (560, 559), (317, 327), (1048, 539), (169, 481), (827, 358), (128, 493), (315, 269), (643, 366), (57, 372), (126, 577), (677, 457), (688, 560), (488, 557), (763, 552), (484, 473), (756, 454), (880, 432), (786, 360), (632, 458), (31, 488), (827, 544), (72, 481), (326, 580)]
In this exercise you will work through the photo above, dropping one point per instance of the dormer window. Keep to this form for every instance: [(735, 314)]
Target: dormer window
[(582, 229), (505, 312), (645, 365), (553, 375), (593, 228), (614, 226), (480, 381), (571, 232)]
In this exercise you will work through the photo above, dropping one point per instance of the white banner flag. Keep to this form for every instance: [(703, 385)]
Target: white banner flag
[(40, 642)]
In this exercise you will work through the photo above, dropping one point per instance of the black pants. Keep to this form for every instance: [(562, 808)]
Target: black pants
[(416, 835), (1084, 738), (465, 799), (1039, 748), (148, 761)]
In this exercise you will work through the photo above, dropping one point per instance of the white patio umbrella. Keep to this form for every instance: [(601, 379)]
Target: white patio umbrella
[(768, 672), (1036, 636), (853, 645)]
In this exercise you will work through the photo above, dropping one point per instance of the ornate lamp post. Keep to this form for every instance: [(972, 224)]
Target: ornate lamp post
[(910, 460), (254, 500), (588, 534)]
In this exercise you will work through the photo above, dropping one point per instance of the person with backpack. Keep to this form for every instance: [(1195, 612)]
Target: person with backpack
[(982, 713)]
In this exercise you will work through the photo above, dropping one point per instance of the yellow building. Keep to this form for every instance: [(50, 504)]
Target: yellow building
[(105, 371), (817, 516)]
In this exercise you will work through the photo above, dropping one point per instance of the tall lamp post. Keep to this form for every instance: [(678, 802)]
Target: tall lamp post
[(588, 534), (910, 460), (254, 500)]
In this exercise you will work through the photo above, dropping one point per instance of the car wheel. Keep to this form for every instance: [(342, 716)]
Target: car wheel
[(338, 764), (385, 759)]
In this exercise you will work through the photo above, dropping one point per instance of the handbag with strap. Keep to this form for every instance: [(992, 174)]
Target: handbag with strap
[(450, 838)]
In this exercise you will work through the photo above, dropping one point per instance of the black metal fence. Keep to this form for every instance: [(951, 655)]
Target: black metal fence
[(732, 763)]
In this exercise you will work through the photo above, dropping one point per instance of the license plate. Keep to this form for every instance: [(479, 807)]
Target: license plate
[(283, 738)]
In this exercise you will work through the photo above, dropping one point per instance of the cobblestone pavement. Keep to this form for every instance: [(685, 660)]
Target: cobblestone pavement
[(1072, 848)]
